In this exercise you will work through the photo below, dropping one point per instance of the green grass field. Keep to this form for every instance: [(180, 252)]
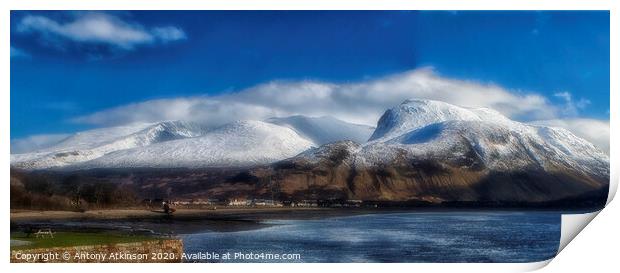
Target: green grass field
[(62, 239)]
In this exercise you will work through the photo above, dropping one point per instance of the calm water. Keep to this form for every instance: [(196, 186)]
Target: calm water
[(399, 237)]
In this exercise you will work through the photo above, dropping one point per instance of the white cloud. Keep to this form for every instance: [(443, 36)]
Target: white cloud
[(169, 33), (32, 143), (198, 109), (100, 28), (571, 107), (359, 102), (18, 53), (593, 130)]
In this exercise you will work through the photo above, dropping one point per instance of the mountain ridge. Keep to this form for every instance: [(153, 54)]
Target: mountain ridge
[(75, 151), (421, 151)]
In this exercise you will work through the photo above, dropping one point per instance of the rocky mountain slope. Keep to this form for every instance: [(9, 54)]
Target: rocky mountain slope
[(433, 151)]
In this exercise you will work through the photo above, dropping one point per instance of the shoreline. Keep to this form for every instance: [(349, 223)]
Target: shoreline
[(240, 214), (182, 221), (190, 221), (128, 214)]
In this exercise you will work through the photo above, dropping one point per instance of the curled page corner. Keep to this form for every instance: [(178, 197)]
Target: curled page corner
[(572, 224), (521, 267), (536, 265), (613, 186)]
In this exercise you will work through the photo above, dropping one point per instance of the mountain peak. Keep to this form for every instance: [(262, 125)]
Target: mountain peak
[(237, 144), (414, 113)]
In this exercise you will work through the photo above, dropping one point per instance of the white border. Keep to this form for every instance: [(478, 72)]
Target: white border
[(294, 5)]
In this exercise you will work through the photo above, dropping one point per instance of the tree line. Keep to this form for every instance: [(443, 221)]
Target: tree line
[(47, 191)]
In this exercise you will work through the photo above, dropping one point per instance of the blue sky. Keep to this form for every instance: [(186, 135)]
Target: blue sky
[(72, 71)]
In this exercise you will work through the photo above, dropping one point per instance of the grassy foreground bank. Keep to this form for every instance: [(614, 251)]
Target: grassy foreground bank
[(64, 239)]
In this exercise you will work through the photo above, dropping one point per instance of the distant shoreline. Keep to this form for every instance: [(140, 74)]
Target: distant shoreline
[(119, 214), (183, 214), (241, 214)]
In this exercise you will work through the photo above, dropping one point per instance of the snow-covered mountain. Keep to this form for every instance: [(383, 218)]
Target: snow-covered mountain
[(421, 150), (434, 151), (414, 114), (185, 144), (323, 130), (414, 131), (88, 145), (242, 143), (423, 128)]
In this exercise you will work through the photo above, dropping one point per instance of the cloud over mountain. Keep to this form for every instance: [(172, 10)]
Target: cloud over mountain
[(358, 102), (34, 142)]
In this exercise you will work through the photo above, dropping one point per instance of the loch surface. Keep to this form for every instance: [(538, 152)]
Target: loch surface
[(392, 237)]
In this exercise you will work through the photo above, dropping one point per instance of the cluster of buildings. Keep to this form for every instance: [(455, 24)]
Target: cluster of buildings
[(255, 203), (245, 202), (294, 203)]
